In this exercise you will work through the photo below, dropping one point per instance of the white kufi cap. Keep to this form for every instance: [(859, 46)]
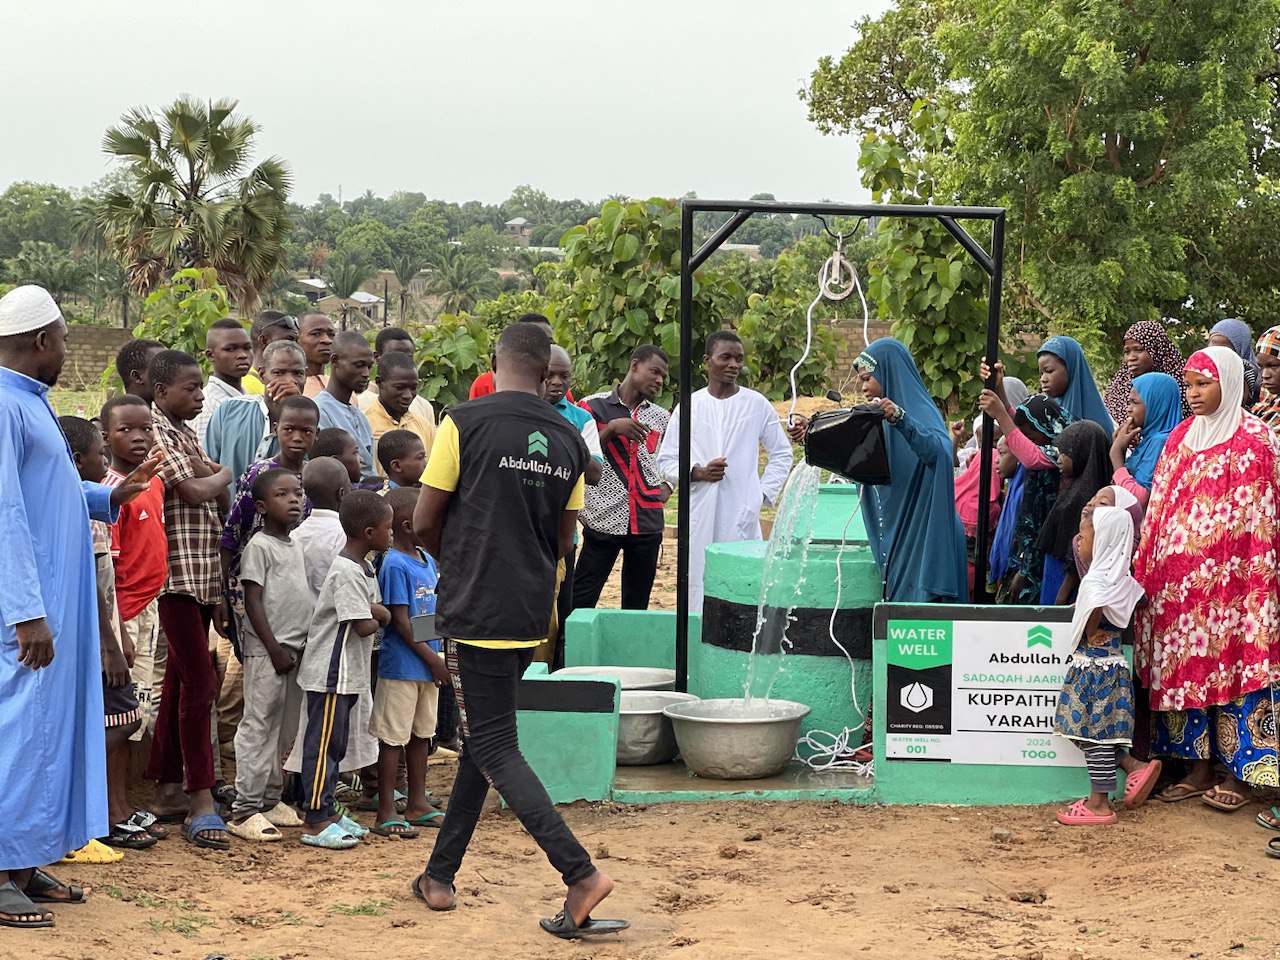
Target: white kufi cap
[(27, 308)]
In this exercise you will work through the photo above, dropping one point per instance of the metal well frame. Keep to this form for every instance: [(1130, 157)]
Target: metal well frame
[(992, 264)]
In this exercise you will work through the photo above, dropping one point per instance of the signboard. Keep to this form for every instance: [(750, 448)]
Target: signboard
[(976, 691)]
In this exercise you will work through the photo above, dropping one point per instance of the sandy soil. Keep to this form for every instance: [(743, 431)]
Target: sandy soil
[(713, 881)]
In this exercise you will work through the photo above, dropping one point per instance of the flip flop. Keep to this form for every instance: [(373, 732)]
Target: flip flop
[(94, 852), (14, 903), (417, 892), (389, 829), (1264, 821), (332, 837), (370, 804), (42, 884), (149, 822), (1273, 847), (194, 832), (1225, 805), (1079, 815), (562, 926), (1138, 787), (432, 819), (128, 836), (1185, 791)]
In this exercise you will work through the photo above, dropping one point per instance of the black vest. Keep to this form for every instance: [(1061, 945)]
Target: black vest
[(519, 462)]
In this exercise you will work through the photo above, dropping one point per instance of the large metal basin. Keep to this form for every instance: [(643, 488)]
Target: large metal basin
[(629, 678), (723, 740), (644, 732)]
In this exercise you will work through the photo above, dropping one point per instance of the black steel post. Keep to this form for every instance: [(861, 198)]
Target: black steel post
[(685, 426), (988, 426)]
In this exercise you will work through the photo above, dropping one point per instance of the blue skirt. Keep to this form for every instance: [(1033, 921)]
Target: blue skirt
[(1096, 703)]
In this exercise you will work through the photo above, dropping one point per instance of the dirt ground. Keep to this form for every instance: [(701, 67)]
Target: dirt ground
[(712, 882), (734, 881)]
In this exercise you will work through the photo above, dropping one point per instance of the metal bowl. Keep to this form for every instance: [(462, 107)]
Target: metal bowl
[(644, 732), (629, 678), (724, 740)]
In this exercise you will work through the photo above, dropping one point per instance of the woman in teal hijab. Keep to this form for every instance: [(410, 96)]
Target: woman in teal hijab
[(911, 522), (1065, 377), (1155, 408)]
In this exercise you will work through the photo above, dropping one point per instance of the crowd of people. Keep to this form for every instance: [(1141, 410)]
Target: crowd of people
[(1152, 510), (288, 564)]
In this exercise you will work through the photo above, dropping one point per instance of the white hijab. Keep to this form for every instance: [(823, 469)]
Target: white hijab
[(1108, 586), (1221, 425)]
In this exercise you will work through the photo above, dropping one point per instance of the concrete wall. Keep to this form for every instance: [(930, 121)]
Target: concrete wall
[(90, 350)]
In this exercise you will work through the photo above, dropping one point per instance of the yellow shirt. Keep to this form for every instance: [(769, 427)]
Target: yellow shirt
[(381, 422), (251, 384), (443, 470)]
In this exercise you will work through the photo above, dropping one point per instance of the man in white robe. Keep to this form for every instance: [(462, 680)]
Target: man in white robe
[(729, 426)]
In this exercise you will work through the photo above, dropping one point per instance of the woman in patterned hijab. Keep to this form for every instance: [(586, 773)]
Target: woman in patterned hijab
[(1147, 349), (1268, 406)]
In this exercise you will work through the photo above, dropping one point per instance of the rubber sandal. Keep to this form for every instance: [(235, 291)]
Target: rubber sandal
[(14, 903), (1263, 820), (194, 832), (1138, 787), (41, 885), (332, 837), (283, 815), (1079, 815), (127, 836), (94, 852), (562, 926), (370, 804), (1185, 792), (225, 795), (417, 892), (257, 828), (432, 819), (387, 829), (149, 822), (350, 825), (1224, 805), (1273, 847)]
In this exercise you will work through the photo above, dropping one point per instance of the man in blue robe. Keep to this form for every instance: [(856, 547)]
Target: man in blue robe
[(51, 719)]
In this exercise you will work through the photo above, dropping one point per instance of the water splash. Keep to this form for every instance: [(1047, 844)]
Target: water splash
[(781, 580)]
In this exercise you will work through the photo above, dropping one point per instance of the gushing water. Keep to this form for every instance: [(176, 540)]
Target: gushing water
[(781, 581)]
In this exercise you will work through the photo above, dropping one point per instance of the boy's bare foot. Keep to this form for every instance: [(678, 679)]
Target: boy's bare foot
[(438, 896), (585, 895)]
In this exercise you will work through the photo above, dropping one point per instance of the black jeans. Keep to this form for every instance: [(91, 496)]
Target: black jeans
[(485, 683), (595, 563)]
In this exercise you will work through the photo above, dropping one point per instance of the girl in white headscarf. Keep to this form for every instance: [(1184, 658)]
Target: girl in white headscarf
[(1095, 708), (1208, 645)]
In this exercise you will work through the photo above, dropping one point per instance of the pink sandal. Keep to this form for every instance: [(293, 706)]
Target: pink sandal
[(1079, 815), (1138, 787)]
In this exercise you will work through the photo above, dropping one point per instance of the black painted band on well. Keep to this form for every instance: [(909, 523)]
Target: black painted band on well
[(731, 626)]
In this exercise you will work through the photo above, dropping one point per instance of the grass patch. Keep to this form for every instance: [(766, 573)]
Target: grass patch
[(291, 919), (66, 402), (144, 899), (385, 876), (365, 908), (112, 891), (187, 925)]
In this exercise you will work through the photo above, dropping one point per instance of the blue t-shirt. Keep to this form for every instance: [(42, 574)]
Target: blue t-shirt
[(411, 582), (335, 413)]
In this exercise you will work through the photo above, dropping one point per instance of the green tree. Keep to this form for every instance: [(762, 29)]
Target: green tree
[(47, 265), (485, 242), (193, 199), (454, 351), (178, 313), (369, 240), (461, 280), (406, 268), (346, 272), (40, 212), (619, 287)]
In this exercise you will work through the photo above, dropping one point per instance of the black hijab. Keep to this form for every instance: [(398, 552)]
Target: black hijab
[(1086, 444)]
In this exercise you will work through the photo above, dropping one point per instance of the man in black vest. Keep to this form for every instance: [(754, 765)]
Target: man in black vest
[(499, 501)]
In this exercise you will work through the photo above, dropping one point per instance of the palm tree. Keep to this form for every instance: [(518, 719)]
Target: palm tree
[(461, 280), (52, 268), (193, 201), (526, 263), (346, 273), (406, 267)]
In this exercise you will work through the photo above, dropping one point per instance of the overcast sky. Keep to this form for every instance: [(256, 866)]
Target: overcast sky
[(460, 100)]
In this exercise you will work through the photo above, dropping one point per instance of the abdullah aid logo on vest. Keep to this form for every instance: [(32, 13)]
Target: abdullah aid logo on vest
[(534, 464)]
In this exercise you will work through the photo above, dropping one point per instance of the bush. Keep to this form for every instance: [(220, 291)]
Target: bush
[(454, 351)]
